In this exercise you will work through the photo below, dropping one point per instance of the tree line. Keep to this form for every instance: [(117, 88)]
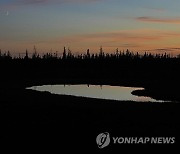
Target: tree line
[(68, 55)]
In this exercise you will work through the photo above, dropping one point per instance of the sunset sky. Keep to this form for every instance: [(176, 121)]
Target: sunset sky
[(138, 25)]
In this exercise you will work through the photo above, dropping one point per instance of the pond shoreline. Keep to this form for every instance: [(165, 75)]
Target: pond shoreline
[(32, 116), (152, 88), (119, 93)]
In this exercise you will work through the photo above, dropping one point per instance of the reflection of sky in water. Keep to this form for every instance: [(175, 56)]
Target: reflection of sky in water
[(93, 91)]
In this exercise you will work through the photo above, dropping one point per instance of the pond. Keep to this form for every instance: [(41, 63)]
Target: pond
[(94, 91)]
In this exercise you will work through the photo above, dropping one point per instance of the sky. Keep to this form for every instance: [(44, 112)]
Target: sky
[(137, 25)]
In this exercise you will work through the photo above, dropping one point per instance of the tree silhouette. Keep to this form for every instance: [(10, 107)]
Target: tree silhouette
[(64, 53), (27, 55)]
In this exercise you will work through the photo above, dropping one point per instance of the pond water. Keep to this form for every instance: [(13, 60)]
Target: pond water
[(94, 91)]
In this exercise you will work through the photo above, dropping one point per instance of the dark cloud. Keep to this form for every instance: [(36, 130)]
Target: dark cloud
[(163, 50), (32, 1), (52, 1), (159, 20)]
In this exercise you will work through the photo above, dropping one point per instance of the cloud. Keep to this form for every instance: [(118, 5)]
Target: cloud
[(159, 10), (16, 3), (31, 1), (143, 35), (27, 2), (159, 20), (165, 50), (139, 39)]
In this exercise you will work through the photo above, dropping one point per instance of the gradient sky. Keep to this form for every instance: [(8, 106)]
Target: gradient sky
[(80, 24)]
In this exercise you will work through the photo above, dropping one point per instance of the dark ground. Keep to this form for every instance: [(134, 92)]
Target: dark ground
[(72, 123)]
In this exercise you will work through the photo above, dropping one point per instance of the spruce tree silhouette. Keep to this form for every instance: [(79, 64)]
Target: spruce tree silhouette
[(27, 55), (64, 53)]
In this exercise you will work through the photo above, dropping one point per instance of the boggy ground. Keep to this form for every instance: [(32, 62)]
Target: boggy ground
[(72, 123)]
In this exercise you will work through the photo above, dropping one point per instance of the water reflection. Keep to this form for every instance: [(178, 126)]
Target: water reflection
[(94, 91)]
